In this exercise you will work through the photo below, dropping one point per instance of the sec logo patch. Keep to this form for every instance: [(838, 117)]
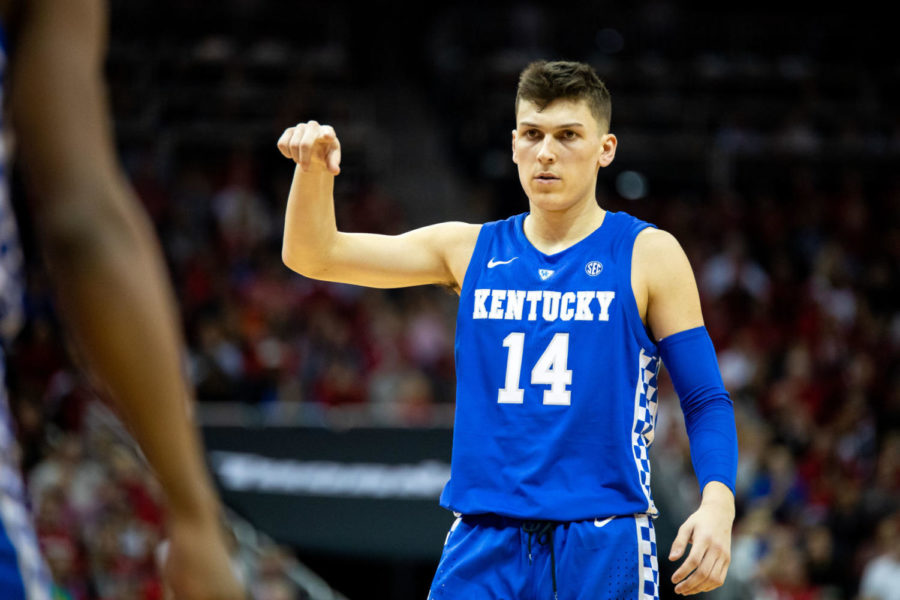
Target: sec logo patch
[(593, 268)]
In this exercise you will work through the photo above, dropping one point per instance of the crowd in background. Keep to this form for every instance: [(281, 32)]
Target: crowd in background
[(773, 170), (99, 512)]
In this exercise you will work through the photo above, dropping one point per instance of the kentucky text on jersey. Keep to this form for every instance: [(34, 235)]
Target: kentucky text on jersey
[(516, 305)]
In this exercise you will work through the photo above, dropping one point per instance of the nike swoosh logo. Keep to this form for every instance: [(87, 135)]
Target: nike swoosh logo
[(599, 523), (493, 263)]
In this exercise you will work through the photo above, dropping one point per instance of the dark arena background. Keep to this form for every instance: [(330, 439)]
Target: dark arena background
[(767, 141)]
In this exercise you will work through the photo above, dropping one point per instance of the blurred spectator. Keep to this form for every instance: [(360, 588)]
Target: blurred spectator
[(820, 560), (881, 577), (783, 571), (733, 271), (241, 216), (751, 544), (57, 528), (66, 470), (777, 485)]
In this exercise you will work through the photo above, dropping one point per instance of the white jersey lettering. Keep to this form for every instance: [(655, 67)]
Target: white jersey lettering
[(546, 305), (605, 299), (551, 305), (497, 298), (480, 311), (515, 302), (583, 308), (565, 311), (533, 297)]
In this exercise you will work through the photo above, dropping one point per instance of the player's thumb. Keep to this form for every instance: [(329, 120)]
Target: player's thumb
[(333, 160), (681, 542)]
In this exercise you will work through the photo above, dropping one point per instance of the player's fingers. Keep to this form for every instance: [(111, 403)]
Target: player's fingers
[(681, 541), (284, 142), (717, 578), (693, 560), (717, 575), (327, 133), (331, 149), (698, 581), (710, 574), (333, 159), (711, 580), (307, 143), (294, 143)]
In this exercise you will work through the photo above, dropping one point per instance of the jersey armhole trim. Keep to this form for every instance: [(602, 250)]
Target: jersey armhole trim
[(477, 254)]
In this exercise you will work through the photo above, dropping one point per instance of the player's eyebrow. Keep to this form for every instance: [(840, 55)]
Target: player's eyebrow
[(563, 126)]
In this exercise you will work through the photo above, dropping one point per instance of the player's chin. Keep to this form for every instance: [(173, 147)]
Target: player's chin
[(551, 202), (546, 193)]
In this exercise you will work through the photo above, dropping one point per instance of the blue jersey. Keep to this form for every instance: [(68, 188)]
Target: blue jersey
[(556, 379)]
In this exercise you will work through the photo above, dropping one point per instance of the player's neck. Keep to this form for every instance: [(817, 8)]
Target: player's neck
[(554, 231)]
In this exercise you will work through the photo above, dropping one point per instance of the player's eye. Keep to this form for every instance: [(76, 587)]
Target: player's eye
[(532, 134), (568, 134)]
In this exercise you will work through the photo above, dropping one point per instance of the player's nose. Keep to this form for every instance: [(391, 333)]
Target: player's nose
[(547, 151)]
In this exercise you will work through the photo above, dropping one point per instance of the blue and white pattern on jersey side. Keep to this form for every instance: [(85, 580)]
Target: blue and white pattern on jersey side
[(645, 408)]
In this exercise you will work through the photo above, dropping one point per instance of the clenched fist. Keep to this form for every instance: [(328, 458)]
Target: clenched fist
[(312, 146)]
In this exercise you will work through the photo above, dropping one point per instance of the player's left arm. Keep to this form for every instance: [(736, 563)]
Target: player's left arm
[(667, 296)]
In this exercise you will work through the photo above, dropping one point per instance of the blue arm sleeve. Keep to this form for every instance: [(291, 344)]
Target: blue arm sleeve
[(690, 359)]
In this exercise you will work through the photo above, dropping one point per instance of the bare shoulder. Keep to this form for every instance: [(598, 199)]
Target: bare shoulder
[(664, 284), (657, 256), (656, 243)]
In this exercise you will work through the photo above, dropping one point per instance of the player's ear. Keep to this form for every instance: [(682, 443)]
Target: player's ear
[(514, 136), (609, 143)]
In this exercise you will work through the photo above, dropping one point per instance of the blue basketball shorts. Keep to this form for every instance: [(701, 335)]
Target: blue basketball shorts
[(489, 557)]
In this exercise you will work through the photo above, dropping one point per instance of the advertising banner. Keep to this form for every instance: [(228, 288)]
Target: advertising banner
[(361, 491)]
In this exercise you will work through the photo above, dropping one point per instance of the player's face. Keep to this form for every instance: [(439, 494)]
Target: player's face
[(558, 151)]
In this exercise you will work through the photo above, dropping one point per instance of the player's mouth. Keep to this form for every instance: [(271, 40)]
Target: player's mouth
[(546, 178)]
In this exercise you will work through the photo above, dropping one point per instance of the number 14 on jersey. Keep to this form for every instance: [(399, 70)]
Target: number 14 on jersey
[(550, 369)]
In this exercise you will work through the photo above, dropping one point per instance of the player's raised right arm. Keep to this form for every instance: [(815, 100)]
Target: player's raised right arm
[(314, 247)]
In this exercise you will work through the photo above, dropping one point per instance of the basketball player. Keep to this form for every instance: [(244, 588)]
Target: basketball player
[(565, 313), (110, 283)]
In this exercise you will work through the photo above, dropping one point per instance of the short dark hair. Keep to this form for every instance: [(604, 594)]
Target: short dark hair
[(543, 81)]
